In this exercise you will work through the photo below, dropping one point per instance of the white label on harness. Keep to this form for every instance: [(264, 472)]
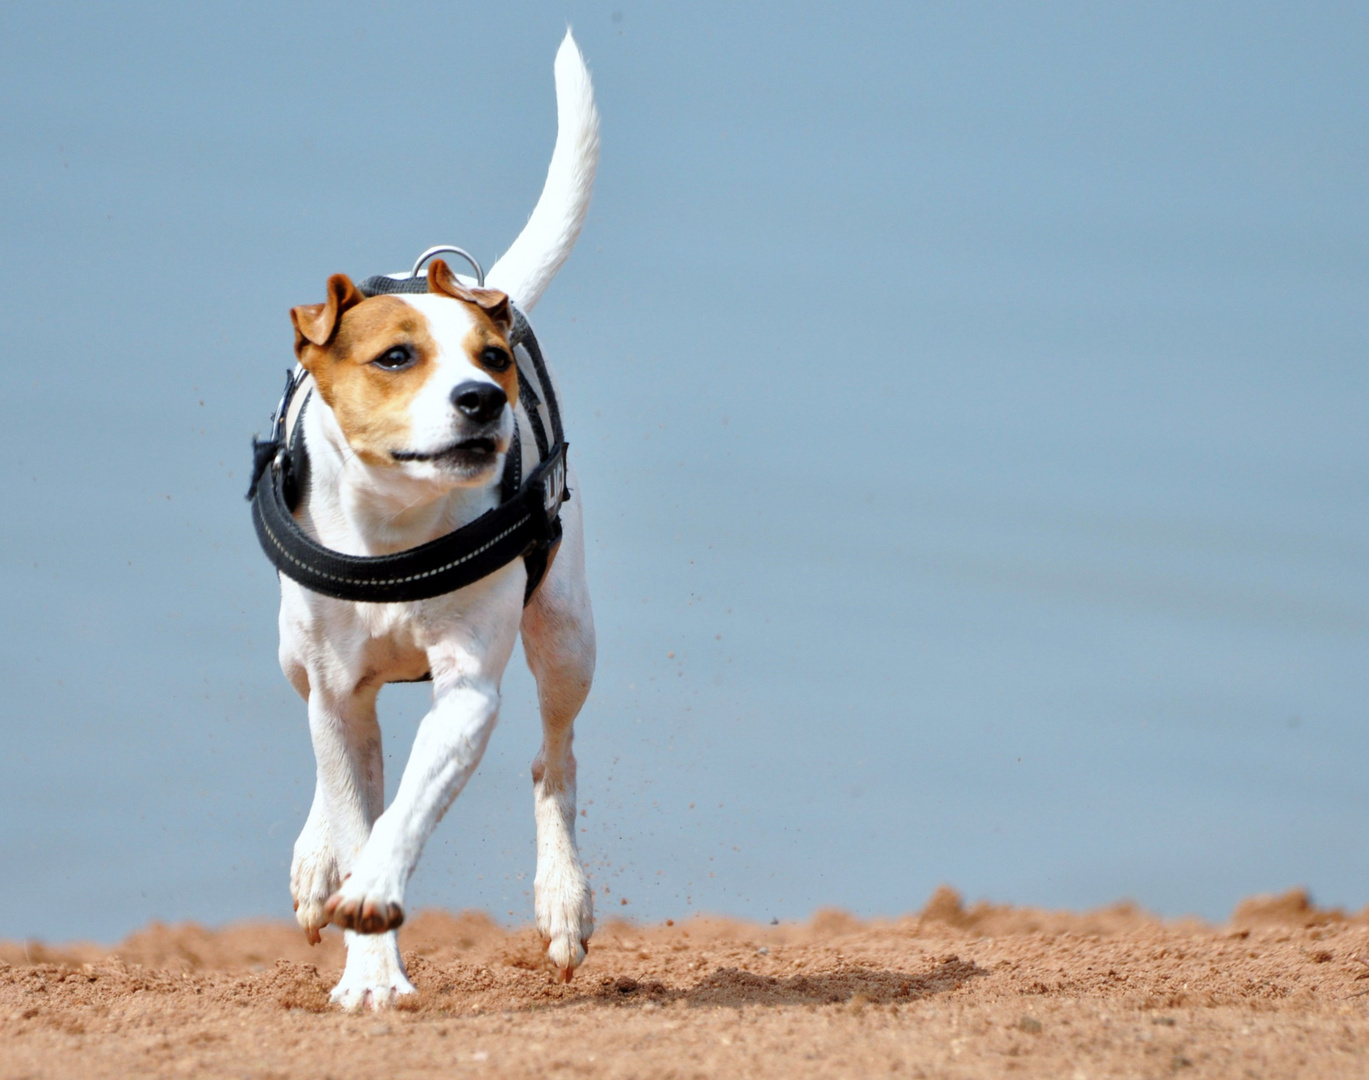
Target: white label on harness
[(555, 484)]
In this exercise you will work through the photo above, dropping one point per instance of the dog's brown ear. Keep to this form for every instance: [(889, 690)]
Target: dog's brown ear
[(494, 303), (315, 324)]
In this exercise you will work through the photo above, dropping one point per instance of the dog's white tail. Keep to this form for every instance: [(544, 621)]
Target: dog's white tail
[(531, 262)]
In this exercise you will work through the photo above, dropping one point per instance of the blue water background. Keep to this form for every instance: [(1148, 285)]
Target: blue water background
[(970, 405)]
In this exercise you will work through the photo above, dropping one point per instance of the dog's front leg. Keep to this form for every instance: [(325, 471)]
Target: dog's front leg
[(447, 748), (348, 800), (314, 872), (468, 642), (370, 902), (351, 767)]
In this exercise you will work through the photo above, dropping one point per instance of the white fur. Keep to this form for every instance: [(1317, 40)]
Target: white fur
[(354, 854), (533, 259)]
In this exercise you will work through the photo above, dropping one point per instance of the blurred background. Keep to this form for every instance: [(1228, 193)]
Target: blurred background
[(969, 401)]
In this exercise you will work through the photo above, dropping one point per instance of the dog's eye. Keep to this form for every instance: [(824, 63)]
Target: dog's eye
[(396, 359), (495, 358)]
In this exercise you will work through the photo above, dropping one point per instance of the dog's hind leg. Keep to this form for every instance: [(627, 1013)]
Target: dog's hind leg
[(558, 640)]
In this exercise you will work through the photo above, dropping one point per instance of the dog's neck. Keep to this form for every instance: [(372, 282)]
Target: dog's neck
[(361, 509)]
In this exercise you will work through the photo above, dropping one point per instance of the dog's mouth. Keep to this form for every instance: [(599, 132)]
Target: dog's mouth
[(467, 452)]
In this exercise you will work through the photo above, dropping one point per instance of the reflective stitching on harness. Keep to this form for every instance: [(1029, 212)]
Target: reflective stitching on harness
[(396, 580)]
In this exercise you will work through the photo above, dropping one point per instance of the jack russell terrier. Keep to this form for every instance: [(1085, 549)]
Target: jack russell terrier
[(415, 405)]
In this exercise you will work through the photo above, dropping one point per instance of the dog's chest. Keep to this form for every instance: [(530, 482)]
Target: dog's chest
[(398, 642)]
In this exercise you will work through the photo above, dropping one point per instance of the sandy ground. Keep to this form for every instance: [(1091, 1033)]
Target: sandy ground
[(949, 992)]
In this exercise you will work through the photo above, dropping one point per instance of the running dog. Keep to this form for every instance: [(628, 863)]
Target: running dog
[(415, 406)]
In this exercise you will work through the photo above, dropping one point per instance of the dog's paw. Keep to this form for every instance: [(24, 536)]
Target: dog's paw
[(374, 977), (313, 879), (373, 994), (564, 907), (367, 911)]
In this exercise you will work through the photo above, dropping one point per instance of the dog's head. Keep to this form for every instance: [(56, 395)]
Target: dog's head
[(425, 383)]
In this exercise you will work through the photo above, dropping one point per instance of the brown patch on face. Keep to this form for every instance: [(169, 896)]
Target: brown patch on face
[(370, 403), (493, 319)]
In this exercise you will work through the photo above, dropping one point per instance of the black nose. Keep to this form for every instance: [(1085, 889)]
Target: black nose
[(480, 401)]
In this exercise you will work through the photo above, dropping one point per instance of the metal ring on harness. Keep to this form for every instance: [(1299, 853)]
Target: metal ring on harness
[(440, 249)]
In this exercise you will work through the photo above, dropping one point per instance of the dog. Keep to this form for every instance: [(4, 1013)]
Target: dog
[(414, 409)]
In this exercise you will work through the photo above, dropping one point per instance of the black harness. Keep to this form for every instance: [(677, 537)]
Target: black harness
[(526, 524)]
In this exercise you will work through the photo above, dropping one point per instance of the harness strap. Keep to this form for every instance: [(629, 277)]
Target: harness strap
[(522, 332), (528, 525), (539, 430)]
